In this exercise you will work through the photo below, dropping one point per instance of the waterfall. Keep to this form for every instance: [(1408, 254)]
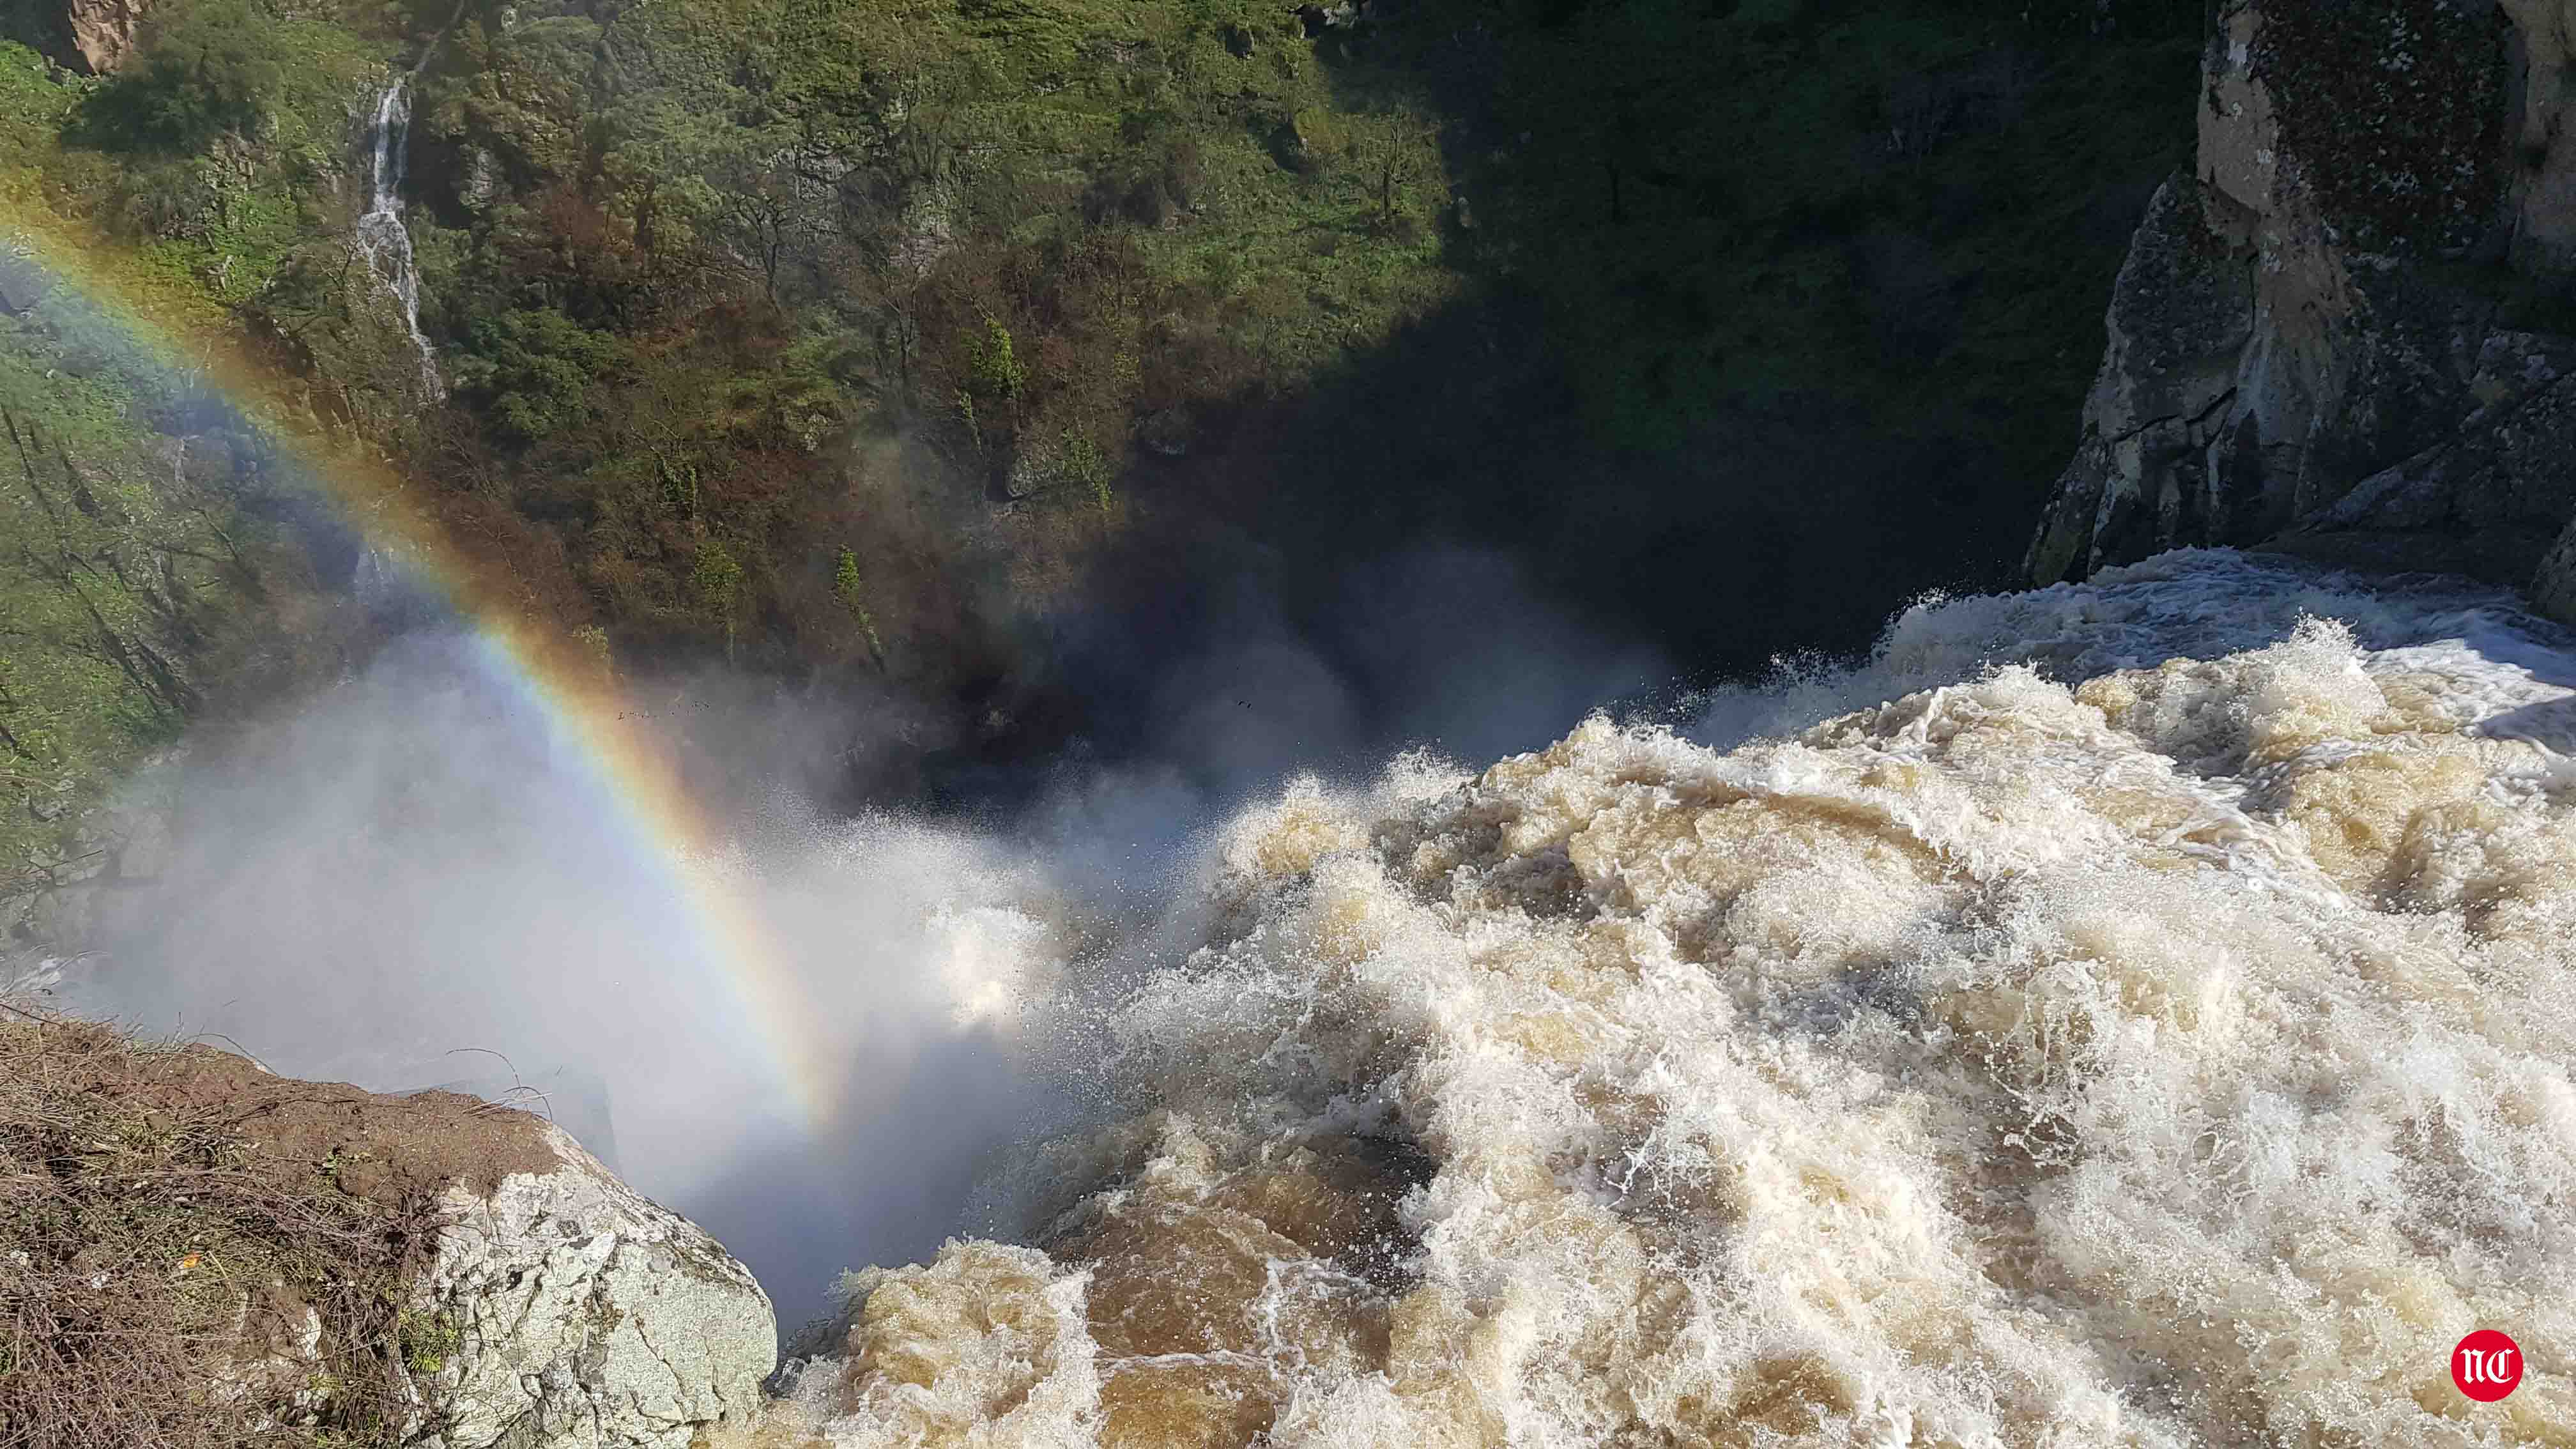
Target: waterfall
[(381, 234), (389, 594), (376, 577)]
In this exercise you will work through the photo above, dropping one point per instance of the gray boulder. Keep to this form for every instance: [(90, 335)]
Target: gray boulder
[(574, 1311)]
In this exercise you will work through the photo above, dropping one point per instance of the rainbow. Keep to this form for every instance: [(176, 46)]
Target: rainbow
[(184, 342)]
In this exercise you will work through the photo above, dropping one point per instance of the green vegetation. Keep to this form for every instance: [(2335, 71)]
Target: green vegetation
[(838, 338), (1894, 206), (1822, 282), (214, 149), (426, 1339), (770, 273), (131, 589), (850, 591), (691, 261)]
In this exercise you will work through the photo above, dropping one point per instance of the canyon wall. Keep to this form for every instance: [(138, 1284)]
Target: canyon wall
[(2350, 331)]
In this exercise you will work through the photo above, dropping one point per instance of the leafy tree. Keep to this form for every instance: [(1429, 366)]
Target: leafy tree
[(218, 65), (1086, 469), (535, 365), (1397, 156), (131, 597), (596, 649)]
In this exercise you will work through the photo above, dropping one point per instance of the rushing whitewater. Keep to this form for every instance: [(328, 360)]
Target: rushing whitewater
[(2066, 1052)]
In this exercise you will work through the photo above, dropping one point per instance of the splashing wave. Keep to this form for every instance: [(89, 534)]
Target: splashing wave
[(2099, 1048)]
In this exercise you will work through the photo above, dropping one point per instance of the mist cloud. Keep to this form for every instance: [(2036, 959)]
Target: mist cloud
[(413, 866)]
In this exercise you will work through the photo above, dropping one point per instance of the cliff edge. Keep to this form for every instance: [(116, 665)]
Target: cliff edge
[(2350, 332), (200, 1253)]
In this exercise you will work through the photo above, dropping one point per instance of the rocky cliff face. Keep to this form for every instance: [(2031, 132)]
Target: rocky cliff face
[(2351, 331), (97, 35)]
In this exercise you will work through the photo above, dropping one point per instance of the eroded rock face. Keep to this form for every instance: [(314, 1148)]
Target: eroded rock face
[(102, 33), (2343, 333), (581, 1313)]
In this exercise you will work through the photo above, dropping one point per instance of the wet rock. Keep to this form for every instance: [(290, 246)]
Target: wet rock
[(2181, 315), (478, 180), (2508, 478), (2553, 586)]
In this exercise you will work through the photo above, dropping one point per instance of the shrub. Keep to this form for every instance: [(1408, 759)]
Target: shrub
[(993, 369), (219, 66), (715, 583), (535, 366)]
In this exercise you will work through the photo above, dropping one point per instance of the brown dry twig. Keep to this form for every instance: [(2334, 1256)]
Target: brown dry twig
[(160, 1274)]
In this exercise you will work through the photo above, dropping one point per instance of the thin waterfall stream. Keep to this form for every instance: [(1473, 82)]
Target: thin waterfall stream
[(382, 237)]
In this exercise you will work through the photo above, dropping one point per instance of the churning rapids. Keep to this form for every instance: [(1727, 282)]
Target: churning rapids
[(2150, 1025)]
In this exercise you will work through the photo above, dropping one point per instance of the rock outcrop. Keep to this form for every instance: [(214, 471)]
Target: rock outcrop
[(2350, 332), (584, 1314), (100, 34), (428, 1269)]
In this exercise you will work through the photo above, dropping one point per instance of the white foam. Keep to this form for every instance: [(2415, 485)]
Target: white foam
[(2150, 1026)]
